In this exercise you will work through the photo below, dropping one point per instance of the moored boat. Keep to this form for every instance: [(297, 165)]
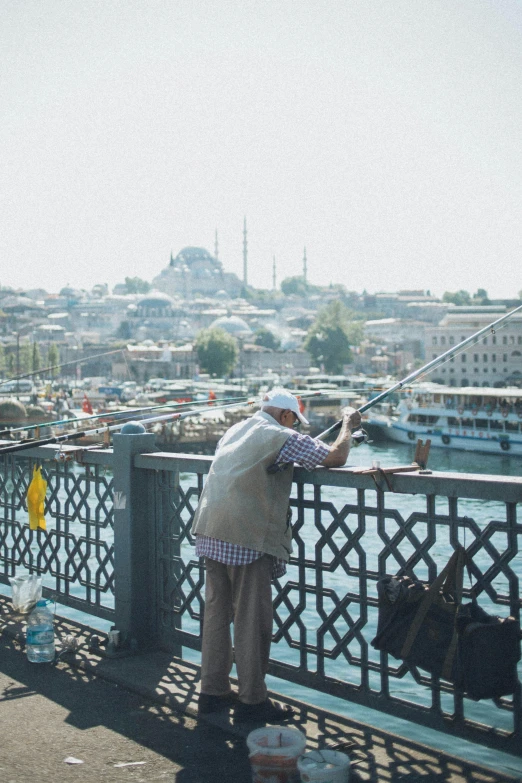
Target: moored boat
[(472, 418)]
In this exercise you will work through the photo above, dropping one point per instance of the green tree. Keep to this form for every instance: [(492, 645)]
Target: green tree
[(36, 358), (25, 358), (217, 351), (294, 285), (124, 330), (458, 298), (481, 297), (262, 295), (135, 285), (331, 336), (266, 338), (53, 356)]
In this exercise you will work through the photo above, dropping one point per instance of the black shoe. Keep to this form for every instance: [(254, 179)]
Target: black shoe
[(208, 704), (265, 712)]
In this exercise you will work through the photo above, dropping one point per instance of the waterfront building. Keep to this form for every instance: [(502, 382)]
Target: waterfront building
[(50, 332), (396, 331), (255, 360), (402, 304), (149, 359), (495, 360), (18, 307), (165, 359)]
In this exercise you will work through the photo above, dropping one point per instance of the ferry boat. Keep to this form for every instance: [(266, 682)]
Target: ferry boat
[(470, 418)]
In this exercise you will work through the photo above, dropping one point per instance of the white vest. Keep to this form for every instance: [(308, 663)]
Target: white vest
[(241, 502)]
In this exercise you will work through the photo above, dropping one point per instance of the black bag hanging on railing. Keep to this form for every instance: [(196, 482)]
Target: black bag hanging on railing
[(429, 627)]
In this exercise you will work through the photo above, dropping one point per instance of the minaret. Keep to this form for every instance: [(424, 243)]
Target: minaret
[(274, 285), (304, 267), (245, 255), (216, 246)]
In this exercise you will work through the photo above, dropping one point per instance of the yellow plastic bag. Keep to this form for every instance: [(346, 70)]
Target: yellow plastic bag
[(36, 500)]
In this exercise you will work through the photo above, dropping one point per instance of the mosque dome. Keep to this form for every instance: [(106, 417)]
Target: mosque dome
[(233, 325), (155, 305), (195, 256), (14, 304), (155, 299)]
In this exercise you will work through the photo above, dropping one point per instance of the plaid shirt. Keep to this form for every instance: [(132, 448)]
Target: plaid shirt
[(308, 453)]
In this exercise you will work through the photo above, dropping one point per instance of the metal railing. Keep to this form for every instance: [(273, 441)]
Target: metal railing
[(75, 554), (134, 563)]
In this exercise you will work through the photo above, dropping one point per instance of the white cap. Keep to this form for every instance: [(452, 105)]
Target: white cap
[(281, 398)]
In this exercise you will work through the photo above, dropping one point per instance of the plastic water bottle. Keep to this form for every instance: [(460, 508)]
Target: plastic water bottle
[(40, 634)]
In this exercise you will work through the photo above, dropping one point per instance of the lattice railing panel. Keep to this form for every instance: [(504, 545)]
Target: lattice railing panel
[(75, 554)]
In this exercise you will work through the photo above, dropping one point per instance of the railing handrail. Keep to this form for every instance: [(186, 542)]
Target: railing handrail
[(464, 485)]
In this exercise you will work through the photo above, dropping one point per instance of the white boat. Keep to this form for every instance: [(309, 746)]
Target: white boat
[(469, 418)]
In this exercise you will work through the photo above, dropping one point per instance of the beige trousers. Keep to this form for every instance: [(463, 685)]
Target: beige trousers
[(241, 595)]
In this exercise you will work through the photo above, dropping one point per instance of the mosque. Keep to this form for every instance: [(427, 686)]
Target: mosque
[(194, 271)]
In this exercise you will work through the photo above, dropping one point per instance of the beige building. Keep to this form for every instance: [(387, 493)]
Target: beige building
[(494, 360)]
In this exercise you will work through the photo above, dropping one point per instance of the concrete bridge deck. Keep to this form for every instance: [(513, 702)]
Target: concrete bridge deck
[(114, 711)]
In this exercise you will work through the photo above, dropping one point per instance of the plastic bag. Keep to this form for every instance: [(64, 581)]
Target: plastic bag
[(27, 590), (36, 500)]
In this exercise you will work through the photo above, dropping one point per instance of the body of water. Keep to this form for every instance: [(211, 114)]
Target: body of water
[(390, 453)]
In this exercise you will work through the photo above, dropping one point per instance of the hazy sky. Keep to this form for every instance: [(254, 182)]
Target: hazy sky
[(385, 135)]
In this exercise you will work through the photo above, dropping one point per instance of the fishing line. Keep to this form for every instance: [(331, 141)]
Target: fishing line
[(145, 421), (112, 414), (21, 446), (59, 366), (129, 374)]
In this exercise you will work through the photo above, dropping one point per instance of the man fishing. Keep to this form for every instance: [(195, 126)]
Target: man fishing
[(243, 531)]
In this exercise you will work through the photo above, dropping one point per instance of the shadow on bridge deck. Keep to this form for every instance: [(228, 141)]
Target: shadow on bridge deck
[(107, 711)]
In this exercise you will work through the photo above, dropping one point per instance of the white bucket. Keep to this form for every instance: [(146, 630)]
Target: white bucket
[(274, 752), (324, 766)]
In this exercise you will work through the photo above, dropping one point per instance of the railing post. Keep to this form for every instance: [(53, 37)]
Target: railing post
[(134, 582)]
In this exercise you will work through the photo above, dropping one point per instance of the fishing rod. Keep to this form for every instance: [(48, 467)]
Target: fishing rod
[(132, 412), (114, 427), (58, 366), (20, 446), (360, 435), (111, 414)]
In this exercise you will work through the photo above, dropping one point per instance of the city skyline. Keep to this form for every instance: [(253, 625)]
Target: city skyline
[(5, 286), (382, 137)]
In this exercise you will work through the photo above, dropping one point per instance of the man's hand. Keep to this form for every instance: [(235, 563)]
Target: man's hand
[(340, 449), (352, 419)]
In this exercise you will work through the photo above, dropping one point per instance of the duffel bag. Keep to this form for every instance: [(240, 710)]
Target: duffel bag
[(427, 626)]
